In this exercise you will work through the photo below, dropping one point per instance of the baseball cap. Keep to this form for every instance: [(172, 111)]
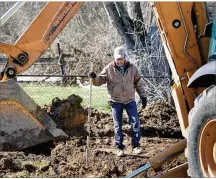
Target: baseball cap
[(119, 52)]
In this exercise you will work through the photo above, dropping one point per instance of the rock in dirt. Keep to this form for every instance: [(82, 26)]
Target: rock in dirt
[(9, 164)]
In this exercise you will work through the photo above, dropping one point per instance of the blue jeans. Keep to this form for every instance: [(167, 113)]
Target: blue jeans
[(117, 111)]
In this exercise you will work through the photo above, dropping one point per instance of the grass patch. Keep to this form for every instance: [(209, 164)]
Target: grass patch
[(36, 164), (43, 94), (22, 174)]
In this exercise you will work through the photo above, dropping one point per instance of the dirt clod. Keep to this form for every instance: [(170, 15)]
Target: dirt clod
[(68, 114)]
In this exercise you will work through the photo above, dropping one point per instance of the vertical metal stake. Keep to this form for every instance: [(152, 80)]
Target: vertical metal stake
[(89, 115)]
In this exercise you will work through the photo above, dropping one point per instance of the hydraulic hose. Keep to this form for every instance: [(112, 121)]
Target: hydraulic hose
[(11, 12)]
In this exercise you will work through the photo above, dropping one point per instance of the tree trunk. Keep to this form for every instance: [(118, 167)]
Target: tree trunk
[(121, 21), (135, 13)]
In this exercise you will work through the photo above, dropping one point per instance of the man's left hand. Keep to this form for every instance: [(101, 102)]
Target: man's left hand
[(144, 102), (92, 75)]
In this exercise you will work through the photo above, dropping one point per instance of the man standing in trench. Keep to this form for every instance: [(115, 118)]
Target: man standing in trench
[(122, 78)]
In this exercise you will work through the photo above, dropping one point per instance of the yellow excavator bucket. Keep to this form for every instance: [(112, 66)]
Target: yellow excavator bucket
[(22, 122)]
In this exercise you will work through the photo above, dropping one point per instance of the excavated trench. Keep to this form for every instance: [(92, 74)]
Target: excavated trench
[(159, 127)]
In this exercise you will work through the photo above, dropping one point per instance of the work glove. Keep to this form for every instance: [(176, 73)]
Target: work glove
[(92, 75), (110, 102), (144, 102), (1, 75)]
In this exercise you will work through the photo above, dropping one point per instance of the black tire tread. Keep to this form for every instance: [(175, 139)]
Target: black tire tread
[(204, 107)]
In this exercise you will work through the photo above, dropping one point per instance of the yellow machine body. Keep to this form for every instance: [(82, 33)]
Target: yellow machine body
[(184, 52)]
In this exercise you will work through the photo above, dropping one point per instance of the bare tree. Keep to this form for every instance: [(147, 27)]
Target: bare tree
[(120, 19), (128, 22), (135, 13), (144, 49)]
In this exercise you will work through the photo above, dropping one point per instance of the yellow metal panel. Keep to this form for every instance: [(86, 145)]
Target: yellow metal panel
[(199, 10), (182, 49), (15, 107), (180, 108)]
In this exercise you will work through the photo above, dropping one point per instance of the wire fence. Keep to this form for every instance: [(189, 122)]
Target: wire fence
[(44, 92), (67, 74), (44, 88)]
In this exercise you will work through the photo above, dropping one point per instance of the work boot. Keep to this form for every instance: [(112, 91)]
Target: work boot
[(119, 152), (137, 150)]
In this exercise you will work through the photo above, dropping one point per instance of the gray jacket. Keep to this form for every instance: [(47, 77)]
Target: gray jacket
[(121, 88)]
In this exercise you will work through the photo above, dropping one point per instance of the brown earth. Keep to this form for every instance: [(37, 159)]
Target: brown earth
[(159, 126)]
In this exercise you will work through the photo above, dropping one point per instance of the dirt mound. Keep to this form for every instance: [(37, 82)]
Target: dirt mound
[(68, 158), (161, 118), (101, 124), (68, 114), (160, 113), (158, 119)]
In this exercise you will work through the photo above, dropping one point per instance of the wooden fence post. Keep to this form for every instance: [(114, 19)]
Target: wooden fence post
[(61, 62)]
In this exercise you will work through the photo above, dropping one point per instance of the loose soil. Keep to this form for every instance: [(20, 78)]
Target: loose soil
[(159, 126)]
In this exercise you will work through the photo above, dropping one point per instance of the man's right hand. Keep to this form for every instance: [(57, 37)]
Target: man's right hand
[(92, 75)]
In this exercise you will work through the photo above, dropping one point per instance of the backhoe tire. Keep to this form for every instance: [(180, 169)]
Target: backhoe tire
[(203, 112)]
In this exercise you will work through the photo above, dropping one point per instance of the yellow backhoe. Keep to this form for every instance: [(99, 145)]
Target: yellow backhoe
[(189, 41), (22, 122)]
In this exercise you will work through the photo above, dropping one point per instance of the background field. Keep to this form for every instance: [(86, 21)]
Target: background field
[(43, 94)]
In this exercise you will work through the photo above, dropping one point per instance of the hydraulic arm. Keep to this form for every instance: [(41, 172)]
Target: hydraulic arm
[(22, 122), (38, 37)]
